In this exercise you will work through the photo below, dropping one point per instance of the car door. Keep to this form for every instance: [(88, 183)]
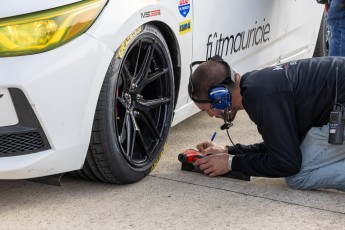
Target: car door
[(242, 32), (299, 23)]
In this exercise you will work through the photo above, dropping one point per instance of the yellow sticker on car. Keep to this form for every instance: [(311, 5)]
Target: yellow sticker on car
[(159, 157), (125, 43), (185, 27)]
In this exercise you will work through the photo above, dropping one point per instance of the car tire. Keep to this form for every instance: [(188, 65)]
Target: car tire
[(134, 111), (321, 47)]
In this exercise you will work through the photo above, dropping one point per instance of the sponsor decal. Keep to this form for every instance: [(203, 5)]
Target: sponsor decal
[(151, 13), (183, 7), (223, 46), (125, 43), (185, 27)]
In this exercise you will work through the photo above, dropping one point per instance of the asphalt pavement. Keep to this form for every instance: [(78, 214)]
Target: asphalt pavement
[(173, 199)]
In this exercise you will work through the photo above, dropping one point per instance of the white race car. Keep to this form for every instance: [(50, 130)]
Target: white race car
[(94, 86)]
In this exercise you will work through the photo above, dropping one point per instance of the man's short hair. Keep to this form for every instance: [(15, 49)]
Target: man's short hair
[(205, 76)]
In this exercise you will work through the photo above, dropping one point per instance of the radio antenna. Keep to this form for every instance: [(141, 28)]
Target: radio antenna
[(336, 85)]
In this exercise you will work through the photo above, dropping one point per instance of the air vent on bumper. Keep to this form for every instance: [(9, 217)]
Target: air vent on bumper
[(25, 137)]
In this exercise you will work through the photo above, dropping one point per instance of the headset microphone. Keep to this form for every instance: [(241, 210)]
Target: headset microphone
[(227, 124)]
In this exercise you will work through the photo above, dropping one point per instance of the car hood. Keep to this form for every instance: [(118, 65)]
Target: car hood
[(10, 8)]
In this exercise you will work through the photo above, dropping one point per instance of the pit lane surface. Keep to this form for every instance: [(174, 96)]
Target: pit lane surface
[(173, 199)]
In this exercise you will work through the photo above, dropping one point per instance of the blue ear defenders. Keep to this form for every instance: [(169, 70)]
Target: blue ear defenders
[(218, 95)]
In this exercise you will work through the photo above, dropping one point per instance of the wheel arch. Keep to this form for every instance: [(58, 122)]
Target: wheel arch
[(175, 54), (125, 25)]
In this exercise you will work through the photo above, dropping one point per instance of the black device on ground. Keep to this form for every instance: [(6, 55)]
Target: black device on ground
[(190, 155)]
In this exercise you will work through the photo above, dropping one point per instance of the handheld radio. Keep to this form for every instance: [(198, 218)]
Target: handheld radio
[(336, 119)]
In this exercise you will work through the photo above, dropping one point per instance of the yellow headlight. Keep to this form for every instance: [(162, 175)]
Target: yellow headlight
[(45, 30)]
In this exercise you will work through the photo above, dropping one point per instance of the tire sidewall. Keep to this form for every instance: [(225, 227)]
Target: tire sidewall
[(118, 165)]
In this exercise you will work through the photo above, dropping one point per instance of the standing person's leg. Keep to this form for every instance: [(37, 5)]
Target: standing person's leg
[(323, 164), (336, 26)]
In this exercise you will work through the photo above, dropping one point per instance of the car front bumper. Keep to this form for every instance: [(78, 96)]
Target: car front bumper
[(61, 89)]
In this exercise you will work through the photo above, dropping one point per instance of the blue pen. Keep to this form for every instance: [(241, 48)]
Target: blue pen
[(213, 136)]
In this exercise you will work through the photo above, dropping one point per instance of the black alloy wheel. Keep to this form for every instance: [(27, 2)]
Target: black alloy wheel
[(134, 111)]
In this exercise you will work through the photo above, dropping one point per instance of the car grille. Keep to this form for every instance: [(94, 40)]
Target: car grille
[(20, 142)]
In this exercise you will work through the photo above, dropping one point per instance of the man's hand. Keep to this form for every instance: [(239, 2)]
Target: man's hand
[(208, 148), (213, 165)]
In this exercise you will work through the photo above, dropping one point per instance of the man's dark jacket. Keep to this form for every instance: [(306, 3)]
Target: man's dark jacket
[(285, 101)]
